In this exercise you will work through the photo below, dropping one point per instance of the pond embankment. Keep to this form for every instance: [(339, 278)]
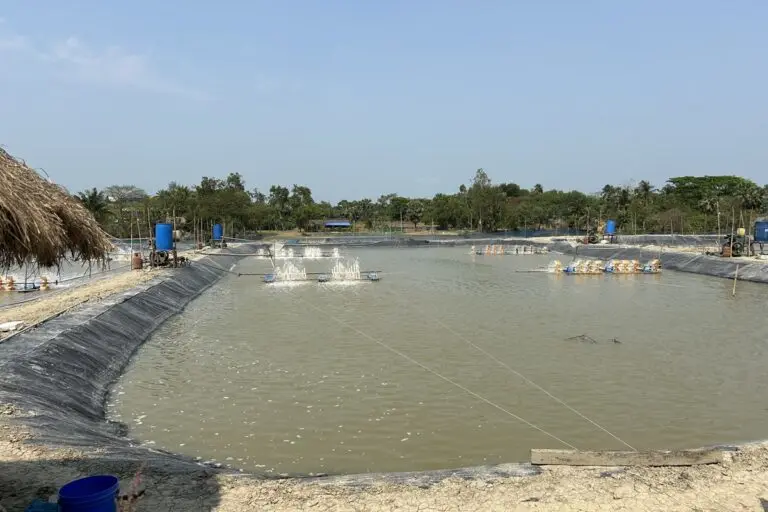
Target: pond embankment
[(54, 381)]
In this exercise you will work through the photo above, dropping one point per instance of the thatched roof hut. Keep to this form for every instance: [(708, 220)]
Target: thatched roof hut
[(40, 223)]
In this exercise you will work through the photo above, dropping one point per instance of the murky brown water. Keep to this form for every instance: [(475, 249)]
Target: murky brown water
[(417, 371)]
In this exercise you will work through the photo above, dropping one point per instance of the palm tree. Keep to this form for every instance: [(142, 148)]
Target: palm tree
[(751, 196), (176, 198), (643, 191), (96, 203)]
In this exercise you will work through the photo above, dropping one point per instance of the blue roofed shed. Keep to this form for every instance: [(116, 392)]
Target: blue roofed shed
[(337, 223)]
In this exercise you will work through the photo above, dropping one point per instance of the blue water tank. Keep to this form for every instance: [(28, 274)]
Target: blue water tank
[(761, 231), (164, 237), (218, 232), (610, 227)]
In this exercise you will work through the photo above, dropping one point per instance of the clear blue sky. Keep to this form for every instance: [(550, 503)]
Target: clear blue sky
[(360, 98)]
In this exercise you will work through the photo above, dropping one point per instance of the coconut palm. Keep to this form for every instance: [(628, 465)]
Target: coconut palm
[(96, 203)]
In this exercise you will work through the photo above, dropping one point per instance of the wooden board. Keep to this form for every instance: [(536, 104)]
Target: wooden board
[(622, 458)]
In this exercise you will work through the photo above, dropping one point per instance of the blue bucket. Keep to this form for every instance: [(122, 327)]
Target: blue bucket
[(90, 494)]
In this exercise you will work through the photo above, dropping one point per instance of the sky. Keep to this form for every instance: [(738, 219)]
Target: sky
[(361, 98)]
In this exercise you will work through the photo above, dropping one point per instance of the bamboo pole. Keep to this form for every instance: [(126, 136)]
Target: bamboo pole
[(735, 278), (138, 230), (719, 237), (173, 238), (733, 226), (149, 235)]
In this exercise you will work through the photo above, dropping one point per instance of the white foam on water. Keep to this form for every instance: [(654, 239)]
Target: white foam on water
[(287, 284)]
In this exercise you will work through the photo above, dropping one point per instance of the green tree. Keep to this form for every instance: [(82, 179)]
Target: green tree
[(96, 203), (414, 212), (127, 205)]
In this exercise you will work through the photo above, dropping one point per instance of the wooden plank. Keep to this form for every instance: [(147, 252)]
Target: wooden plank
[(625, 458)]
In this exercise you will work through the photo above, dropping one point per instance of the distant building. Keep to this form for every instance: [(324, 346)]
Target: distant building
[(337, 224)]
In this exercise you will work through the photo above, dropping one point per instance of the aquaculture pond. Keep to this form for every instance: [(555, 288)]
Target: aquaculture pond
[(449, 360)]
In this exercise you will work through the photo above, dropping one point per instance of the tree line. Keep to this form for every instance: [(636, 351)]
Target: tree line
[(686, 204)]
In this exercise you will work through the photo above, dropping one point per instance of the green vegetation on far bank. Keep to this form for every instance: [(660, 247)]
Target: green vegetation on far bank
[(687, 204)]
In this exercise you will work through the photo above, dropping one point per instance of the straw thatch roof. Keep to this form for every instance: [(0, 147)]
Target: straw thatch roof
[(40, 223)]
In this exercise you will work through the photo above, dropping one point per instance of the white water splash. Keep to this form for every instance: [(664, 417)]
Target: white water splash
[(282, 252), (313, 253), (336, 253), (290, 272), (349, 271)]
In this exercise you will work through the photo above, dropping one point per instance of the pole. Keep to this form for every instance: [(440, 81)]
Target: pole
[(718, 219), (173, 237), (587, 224), (151, 242), (733, 222), (735, 278), (138, 230)]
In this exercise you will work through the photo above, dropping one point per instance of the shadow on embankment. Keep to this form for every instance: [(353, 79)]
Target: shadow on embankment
[(23, 481)]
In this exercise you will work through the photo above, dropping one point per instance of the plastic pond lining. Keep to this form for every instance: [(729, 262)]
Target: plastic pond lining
[(59, 374)]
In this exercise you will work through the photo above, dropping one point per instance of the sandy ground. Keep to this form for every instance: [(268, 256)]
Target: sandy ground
[(60, 300), (741, 483)]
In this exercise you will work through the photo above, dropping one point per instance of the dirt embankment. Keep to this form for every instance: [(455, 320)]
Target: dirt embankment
[(62, 299), (737, 485), (58, 300)]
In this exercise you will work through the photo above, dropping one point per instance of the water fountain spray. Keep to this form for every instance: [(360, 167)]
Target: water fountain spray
[(290, 272), (346, 272)]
